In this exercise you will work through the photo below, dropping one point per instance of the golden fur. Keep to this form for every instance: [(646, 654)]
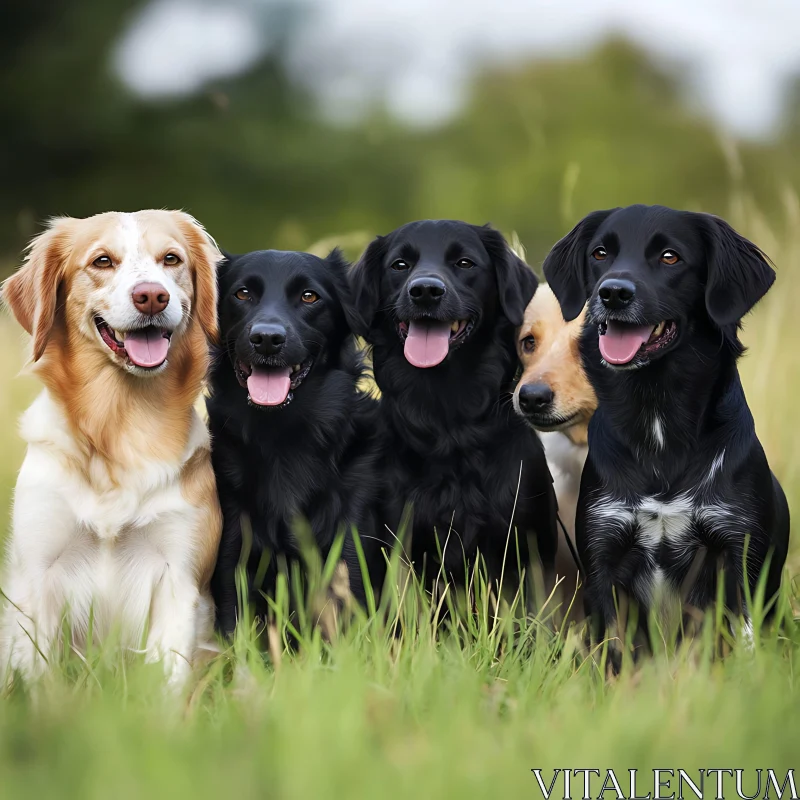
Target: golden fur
[(48, 296), (198, 485), (120, 425), (555, 360)]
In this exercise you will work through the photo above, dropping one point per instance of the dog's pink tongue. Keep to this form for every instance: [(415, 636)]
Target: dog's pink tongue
[(146, 347), (621, 342), (427, 343), (269, 386)]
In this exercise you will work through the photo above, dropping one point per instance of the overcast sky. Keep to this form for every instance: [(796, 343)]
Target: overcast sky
[(418, 55)]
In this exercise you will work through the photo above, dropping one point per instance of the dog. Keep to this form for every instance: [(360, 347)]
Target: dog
[(439, 301), (295, 442), (555, 397), (116, 521), (676, 485)]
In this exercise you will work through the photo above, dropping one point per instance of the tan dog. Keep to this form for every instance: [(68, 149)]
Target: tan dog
[(555, 397), (116, 518)]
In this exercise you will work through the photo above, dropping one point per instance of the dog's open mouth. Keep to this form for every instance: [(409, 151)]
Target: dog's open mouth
[(272, 385), (428, 341), (621, 342), (146, 348)]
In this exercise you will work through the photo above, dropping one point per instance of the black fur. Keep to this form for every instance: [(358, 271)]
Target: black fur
[(673, 426), (456, 448), (315, 459)]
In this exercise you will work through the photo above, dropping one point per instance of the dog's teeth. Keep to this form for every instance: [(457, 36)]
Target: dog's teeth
[(455, 326), (659, 329), (296, 368)]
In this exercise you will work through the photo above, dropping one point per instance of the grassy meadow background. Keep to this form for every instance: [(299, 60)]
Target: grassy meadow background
[(390, 709)]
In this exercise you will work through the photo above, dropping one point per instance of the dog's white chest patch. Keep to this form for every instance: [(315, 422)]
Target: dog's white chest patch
[(680, 524), (658, 431), (98, 502), (648, 524), (663, 521), (651, 521), (565, 461), (108, 509), (90, 543)]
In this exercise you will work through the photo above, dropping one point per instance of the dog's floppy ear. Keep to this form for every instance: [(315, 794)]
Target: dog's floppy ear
[(205, 257), (516, 282), (739, 274), (338, 267), (565, 265), (32, 291), (365, 286)]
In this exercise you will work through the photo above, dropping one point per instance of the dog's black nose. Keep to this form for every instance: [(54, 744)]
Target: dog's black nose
[(426, 291), (268, 339), (616, 293), (535, 398)]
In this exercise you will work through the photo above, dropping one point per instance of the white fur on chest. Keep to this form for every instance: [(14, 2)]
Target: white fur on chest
[(100, 548), (679, 523), (98, 502), (564, 458), (565, 461), (654, 521), (109, 509), (650, 520), (664, 521)]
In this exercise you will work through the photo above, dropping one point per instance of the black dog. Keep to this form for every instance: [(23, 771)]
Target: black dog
[(676, 481), (439, 301), (293, 439)]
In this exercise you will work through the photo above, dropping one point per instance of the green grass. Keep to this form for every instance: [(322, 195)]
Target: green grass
[(392, 710)]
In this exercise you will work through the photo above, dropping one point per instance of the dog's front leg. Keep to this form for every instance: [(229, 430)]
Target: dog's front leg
[(172, 638), (608, 608), (30, 627), (45, 573)]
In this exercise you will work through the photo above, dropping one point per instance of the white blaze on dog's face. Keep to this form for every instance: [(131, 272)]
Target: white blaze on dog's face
[(143, 297), (129, 283), (553, 392)]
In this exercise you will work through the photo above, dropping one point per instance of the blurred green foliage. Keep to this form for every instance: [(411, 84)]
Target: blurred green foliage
[(536, 146)]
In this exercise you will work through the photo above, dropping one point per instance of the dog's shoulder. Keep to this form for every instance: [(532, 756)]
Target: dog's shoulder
[(199, 439), (107, 496), (45, 423)]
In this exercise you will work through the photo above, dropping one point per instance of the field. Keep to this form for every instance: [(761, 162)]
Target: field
[(467, 713)]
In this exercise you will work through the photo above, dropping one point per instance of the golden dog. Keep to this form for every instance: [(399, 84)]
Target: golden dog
[(116, 519), (555, 397)]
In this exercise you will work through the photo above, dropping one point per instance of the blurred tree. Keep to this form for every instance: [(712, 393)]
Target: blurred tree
[(535, 147), (62, 113), (541, 145)]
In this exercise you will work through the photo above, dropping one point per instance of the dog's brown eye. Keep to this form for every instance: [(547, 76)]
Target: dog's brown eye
[(102, 261), (400, 265), (465, 263), (171, 260), (309, 297), (599, 254), (528, 344), (242, 294), (669, 257)]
